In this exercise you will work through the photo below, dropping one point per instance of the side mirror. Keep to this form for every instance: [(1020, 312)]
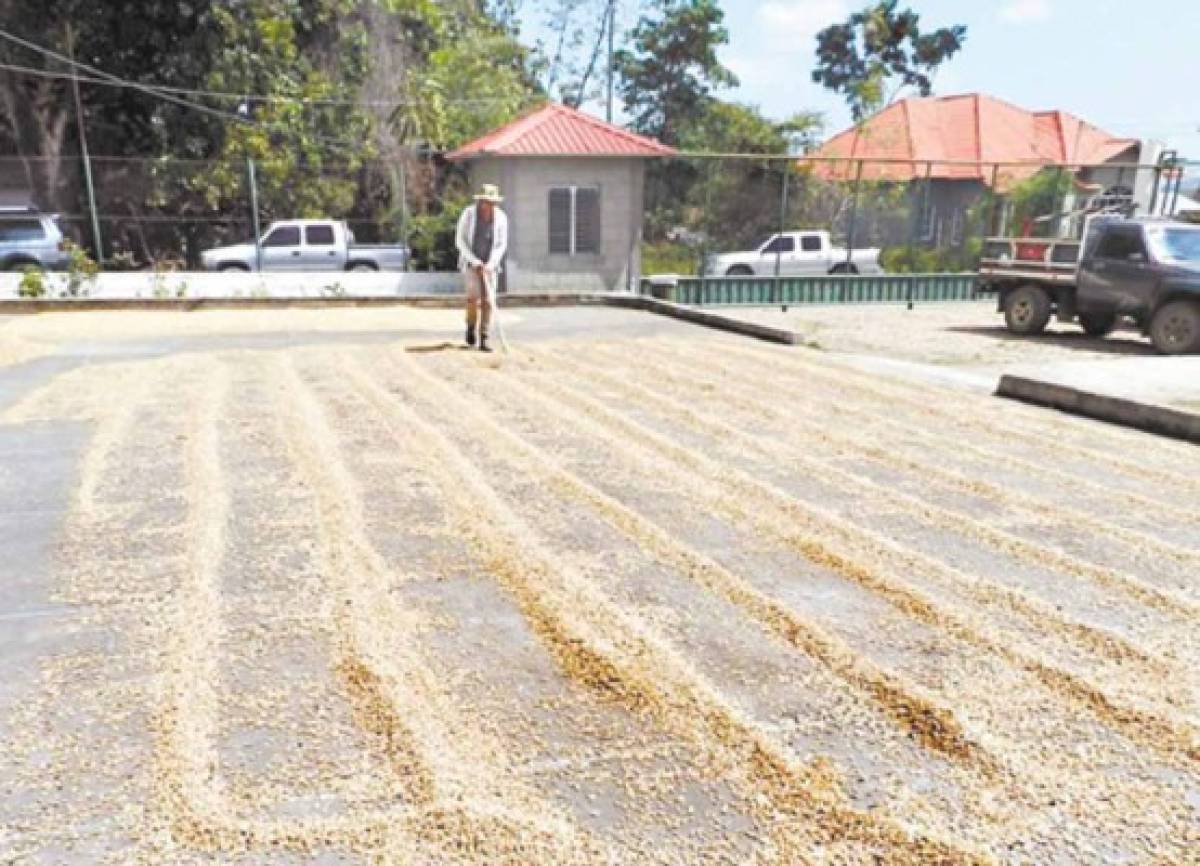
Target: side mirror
[(1137, 258)]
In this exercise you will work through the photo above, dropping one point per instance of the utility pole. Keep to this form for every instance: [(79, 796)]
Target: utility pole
[(253, 178), (612, 25), (97, 238)]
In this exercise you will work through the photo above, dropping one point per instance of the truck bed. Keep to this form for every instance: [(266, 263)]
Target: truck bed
[(1051, 260)]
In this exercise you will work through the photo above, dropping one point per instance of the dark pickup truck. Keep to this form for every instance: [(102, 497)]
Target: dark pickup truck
[(1144, 270)]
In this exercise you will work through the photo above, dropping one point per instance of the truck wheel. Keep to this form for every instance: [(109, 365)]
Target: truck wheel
[(233, 267), (1175, 328), (739, 271), (362, 267), (1027, 310), (1097, 324), (844, 268)]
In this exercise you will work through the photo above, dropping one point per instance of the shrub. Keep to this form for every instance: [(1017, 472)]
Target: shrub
[(123, 261), (82, 271), (925, 260), (665, 257), (33, 283)]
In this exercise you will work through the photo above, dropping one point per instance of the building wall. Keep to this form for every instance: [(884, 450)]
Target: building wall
[(526, 183)]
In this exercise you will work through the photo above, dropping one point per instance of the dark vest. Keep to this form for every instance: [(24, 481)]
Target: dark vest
[(481, 243)]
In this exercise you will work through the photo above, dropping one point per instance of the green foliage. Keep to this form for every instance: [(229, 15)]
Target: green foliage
[(877, 45), (925, 260), (471, 84), (1039, 198), (432, 234), (731, 202), (82, 271), (33, 283), (305, 153), (458, 70), (672, 68), (665, 257)]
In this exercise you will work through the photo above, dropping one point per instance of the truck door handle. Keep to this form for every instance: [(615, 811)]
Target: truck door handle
[(295, 252)]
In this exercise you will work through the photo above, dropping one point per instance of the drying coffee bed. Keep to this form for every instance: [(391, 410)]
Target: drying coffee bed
[(666, 600)]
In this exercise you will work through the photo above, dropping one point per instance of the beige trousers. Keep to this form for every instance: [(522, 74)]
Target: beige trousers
[(477, 296)]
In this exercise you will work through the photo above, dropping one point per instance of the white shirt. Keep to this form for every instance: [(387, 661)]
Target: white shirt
[(466, 233)]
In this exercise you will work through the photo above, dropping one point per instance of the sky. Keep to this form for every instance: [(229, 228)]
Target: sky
[(1129, 68)]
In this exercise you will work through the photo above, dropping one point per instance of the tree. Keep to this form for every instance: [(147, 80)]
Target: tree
[(669, 74), (1036, 203), (164, 41), (861, 56), (311, 90)]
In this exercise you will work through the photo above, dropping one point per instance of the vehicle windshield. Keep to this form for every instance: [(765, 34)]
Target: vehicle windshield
[(1176, 244)]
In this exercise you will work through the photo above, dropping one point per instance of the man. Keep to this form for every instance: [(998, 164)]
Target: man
[(482, 239)]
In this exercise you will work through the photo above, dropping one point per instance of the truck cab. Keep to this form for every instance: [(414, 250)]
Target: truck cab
[(307, 245), (796, 253), (1146, 271)]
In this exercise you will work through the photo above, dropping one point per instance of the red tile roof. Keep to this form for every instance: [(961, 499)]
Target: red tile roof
[(965, 129), (556, 130)]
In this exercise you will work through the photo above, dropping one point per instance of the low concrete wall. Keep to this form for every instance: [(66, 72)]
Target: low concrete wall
[(138, 284), (705, 318), (15, 306), (1160, 420)]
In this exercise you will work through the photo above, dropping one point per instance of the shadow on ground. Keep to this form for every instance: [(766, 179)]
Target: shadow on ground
[(1115, 345)]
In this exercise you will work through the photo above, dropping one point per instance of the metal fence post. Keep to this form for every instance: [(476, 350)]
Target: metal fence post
[(853, 221), (254, 215), (783, 206), (97, 238), (992, 227)]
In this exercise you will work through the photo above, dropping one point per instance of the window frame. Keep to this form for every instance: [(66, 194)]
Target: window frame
[(572, 226), (1125, 235), (784, 240), (30, 224), (266, 244), (332, 242)]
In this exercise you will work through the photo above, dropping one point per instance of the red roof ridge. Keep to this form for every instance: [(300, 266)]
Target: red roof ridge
[(599, 138)]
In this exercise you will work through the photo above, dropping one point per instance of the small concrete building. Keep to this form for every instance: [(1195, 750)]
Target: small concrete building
[(574, 195)]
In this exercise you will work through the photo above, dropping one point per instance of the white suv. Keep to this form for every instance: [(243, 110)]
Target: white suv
[(30, 239)]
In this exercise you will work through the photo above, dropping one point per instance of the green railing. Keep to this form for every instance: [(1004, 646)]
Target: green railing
[(840, 289)]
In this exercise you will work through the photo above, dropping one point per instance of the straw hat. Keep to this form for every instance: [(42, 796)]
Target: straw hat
[(489, 192)]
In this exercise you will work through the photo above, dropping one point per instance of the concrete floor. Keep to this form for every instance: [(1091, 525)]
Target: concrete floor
[(638, 592)]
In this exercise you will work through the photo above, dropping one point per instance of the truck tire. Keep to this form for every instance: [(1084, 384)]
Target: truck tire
[(232, 267), (1097, 324), (844, 268), (1175, 328), (739, 271), (361, 267), (1027, 310)]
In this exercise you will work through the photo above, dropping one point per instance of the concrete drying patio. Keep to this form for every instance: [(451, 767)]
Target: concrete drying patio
[(320, 587)]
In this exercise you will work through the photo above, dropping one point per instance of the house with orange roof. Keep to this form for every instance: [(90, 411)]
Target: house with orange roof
[(953, 150), (574, 194)]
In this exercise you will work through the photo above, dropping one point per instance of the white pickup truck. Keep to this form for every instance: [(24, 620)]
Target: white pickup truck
[(307, 245), (797, 253)]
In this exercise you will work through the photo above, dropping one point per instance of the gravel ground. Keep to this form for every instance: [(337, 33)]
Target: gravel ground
[(965, 334), (346, 598)]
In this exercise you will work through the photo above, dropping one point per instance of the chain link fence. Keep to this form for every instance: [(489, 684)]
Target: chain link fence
[(749, 216), (707, 216)]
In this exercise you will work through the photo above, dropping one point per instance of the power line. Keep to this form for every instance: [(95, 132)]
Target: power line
[(241, 97), (108, 77)]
